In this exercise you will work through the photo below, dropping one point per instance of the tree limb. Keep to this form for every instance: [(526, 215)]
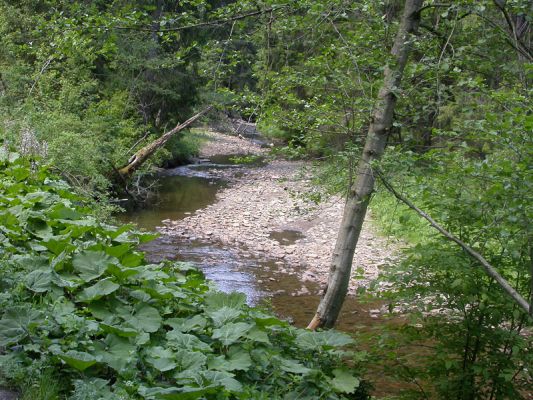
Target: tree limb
[(207, 23), (143, 154), (489, 269)]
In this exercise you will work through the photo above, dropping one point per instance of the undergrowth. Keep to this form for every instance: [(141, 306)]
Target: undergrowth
[(84, 316)]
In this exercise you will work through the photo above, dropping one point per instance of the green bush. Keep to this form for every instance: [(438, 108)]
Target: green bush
[(81, 306)]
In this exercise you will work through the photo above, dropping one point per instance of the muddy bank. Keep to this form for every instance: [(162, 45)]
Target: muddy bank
[(265, 212)]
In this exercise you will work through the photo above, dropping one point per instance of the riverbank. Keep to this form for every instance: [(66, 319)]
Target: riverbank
[(266, 212)]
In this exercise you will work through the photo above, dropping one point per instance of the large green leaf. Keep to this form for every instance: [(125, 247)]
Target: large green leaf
[(91, 264), (17, 323), (293, 367), (116, 352), (180, 340), (39, 281), (237, 359), (161, 359), (232, 332), (223, 315), (344, 381), (98, 290), (146, 318), (78, 359), (190, 360), (317, 340), (195, 323), (217, 300)]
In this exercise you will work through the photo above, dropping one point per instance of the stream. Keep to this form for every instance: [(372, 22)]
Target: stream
[(185, 189)]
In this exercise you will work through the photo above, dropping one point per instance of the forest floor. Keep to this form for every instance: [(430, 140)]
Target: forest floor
[(267, 212)]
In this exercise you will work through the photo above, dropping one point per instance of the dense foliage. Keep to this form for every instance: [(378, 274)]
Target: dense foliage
[(82, 307), (85, 83)]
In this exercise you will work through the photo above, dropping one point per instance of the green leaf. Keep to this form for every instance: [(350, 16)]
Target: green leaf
[(118, 352), (224, 379), (118, 330), (146, 318), (78, 359), (98, 290), (39, 281), (17, 323), (237, 359), (196, 323), (318, 340), (257, 335), (231, 333), (344, 381), (190, 360), (223, 315), (91, 264), (182, 340), (293, 367), (217, 300), (161, 359)]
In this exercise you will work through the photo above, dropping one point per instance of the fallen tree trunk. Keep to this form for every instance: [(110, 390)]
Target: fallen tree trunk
[(143, 154), (489, 269)]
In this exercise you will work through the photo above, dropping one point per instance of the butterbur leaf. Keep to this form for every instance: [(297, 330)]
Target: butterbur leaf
[(161, 359), (217, 300), (98, 290), (180, 340), (318, 340), (172, 393), (196, 323), (118, 330), (293, 367), (231, 333), (39, 281), (146, 318), (190, 360), (344, 381), (117, 353), (91, 264), (16, 324), (223, 315), (78, 359), (237, 359), (224, 379), (257, 335)]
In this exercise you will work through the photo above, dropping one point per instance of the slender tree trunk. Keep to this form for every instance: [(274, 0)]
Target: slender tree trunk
[(360, 192), (143, 154)]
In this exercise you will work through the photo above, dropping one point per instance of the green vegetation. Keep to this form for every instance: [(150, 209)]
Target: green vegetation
[(83, 85), (83, 315)]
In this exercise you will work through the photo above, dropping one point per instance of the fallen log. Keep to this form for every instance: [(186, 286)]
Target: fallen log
[(143, 154)]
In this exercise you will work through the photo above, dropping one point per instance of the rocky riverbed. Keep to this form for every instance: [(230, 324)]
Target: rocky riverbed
[(266, 212)]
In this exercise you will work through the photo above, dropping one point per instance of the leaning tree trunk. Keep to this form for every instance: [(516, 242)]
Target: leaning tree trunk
[(143, 154), (360, 192)]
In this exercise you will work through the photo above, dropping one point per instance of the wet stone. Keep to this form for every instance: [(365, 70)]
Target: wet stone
[(8, 395)]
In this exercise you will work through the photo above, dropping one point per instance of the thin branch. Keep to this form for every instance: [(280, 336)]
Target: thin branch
[(489, 269), (206, 23)]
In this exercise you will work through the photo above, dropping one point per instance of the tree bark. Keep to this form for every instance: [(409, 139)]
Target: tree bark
[(143, 154), (360, 192)]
